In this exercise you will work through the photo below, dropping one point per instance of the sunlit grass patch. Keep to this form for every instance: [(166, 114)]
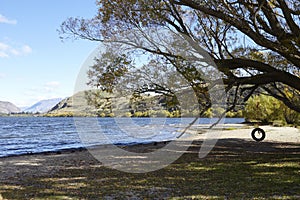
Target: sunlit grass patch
[(279, 165)]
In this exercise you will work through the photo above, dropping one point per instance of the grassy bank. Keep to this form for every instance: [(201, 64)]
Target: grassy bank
[(235, 169)]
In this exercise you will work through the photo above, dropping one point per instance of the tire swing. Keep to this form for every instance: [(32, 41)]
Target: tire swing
[(258, 134)]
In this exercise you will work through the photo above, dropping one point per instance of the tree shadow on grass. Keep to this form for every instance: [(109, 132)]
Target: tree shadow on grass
[(234, 169)]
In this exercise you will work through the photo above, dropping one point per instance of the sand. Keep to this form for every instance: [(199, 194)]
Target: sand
[(240, 131)]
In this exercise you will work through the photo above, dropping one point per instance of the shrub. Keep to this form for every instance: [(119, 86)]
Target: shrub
[(218, 111), (291, 116), (263, 108), (138, 114), (208, 113), (175, 113), (163, 113)]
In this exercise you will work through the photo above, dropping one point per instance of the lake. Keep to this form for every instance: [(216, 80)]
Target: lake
[(23, 135)]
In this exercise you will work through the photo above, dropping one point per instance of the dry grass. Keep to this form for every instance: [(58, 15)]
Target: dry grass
[(235, 169)]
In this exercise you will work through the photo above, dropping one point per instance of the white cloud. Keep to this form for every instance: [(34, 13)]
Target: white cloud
[(48, 90), (5, 20), (26, 49), (3, 50), (3, 55), (3, 46), (2, 75), (7, 50), (52, 84)]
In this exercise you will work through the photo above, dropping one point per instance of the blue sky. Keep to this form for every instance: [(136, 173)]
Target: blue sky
[(34, 63)]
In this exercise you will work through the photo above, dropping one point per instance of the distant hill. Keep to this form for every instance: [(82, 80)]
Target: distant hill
[(7, 107), (68, 107), (42, 106), (107, 105), (97, 103)]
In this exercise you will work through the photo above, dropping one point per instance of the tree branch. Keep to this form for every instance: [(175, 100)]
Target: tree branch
[(288, 17)]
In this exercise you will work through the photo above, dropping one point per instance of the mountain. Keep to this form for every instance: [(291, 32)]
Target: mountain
[(42, 106), (74, 105), (108, 105), (7, 107), (77, 105)]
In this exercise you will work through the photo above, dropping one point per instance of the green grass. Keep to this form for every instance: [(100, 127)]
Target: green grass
[(233, 170)]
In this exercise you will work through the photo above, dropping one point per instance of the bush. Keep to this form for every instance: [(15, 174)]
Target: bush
[(138, 114), (208, 113), (127, 114), (268, 109), (163, 113), (59, 114), (230, 114), (239, 114), (175, 113), (264, 108), (291, 116), (218, 111)]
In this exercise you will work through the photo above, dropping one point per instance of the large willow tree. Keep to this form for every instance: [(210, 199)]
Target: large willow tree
[(254, 43)]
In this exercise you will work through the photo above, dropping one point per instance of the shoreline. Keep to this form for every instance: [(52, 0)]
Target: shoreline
[(227, 131), (235, 158), (75, 149), (35, 141), (59, 151)]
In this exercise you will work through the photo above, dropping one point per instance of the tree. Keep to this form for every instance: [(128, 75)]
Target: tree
[(254, 43), (263, 108), (267, 109)]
